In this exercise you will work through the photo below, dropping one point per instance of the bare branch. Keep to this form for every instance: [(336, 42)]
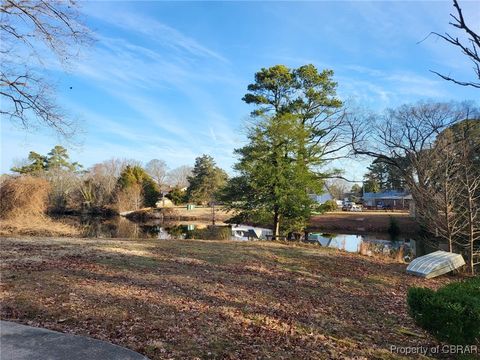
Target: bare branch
[(27, 28), (470, 49)]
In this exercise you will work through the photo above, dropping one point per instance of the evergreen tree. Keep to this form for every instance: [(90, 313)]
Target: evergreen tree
[(38, 164), (296, 129), (177, 195), (136, 176), (206, 180), (371, 186), (384, 176), (271, 178), (56, 159)]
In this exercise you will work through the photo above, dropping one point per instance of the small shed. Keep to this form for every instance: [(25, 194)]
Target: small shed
[(435, 264)]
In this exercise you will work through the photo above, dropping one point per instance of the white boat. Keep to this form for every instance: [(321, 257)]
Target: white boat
[(435, 264), (246, 232)]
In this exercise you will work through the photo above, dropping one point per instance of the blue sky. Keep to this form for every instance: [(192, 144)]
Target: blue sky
[(165, 79)]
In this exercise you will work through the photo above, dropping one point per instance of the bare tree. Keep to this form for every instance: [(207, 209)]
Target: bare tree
[(337, 188), (402, 137), (469, 208), (63, 183), (31, 31), (469, 48), (435, 147), (99, 183), (178, 177), (438, 206), (157, 169), (130, 198), (468, 153)]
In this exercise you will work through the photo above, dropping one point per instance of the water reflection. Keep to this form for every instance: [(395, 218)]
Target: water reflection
[(120, 227), (365, 244)]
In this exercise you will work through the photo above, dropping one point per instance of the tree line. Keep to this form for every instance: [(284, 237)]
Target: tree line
[(120, 184)]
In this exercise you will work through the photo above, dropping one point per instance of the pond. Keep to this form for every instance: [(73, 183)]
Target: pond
[(120, 227), (367, 244)]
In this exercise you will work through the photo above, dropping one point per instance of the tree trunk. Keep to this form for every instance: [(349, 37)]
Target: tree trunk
[(446, 201), (470, 188), (276, 223), (471, 224)]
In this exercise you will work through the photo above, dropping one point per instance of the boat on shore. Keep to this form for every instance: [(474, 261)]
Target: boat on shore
[(246, 232)]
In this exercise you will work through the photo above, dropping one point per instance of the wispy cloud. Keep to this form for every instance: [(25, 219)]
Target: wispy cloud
[(382, 88), (155, 30)]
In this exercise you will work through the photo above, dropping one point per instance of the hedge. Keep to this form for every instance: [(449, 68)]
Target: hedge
[(451, 314)]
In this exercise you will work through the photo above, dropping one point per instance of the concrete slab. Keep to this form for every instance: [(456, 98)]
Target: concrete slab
[(21, 342)]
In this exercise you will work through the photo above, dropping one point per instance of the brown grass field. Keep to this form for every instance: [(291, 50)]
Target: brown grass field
[(194, 299)]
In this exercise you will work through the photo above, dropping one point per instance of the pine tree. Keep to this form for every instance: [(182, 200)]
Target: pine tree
[(206, 180), (294, 132)]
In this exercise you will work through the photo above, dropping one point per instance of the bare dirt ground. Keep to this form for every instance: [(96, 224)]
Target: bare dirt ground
[(194, 299)]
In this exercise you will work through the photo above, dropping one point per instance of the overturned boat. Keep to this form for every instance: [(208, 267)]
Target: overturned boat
[(435, 264), (245, 232)]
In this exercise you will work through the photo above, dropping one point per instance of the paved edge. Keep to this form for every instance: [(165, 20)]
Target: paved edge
[(22, 342)]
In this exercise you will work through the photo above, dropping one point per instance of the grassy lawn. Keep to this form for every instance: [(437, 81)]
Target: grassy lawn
[(211, 299)]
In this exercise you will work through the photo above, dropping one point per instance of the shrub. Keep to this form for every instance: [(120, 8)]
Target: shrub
[(23, 196), (177, 196), (393, 229), (211, 233), (329, 205), (130, 198), (451, 314)]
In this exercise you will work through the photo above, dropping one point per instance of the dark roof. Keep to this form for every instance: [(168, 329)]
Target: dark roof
[(390, 194)]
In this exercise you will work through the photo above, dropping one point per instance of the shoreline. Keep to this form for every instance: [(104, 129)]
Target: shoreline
[(334, 222)]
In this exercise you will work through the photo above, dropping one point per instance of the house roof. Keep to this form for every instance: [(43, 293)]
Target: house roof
[(386, 195)]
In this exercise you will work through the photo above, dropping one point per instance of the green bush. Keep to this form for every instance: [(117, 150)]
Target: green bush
[(329, 205), (177, 196), (393, 229), (451, 314)]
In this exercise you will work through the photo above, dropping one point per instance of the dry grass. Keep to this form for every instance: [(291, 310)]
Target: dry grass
[(201, 213), (23, 202), (36, 226), (212, 299), (23, 196)]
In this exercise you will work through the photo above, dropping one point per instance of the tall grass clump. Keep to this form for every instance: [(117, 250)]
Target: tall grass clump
[(23, 203), (23, 196)]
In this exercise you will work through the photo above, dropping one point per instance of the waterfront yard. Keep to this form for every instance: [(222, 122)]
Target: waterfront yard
[(212, 299)]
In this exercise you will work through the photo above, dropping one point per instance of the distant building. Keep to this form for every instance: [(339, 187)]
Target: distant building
[(391, 199), (322, 198)]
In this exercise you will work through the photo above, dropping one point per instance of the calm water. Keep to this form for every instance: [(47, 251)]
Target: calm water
[(120, 227), (368, 243)]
